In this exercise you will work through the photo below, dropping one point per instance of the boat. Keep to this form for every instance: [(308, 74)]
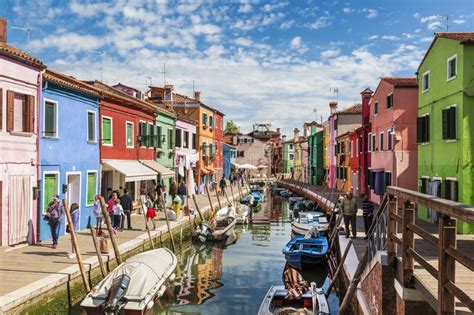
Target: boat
[(303, 205), (296, 297), (134, 286), (225, 223), (294, 199), (303, 253), (286, 193), (276, 190), (305, 221), (252, 198), (243, 214)]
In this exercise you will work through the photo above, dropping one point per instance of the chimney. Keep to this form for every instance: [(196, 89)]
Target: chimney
[(278, 130), (283, 138), (296, 133), (197, 95), (168, 92), (3, 30), (333, 107), (366, 97)]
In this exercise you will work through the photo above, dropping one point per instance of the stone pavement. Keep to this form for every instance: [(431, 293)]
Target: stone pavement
[(29, 271)]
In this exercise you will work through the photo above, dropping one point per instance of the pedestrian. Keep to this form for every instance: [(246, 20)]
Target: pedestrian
[(74, 210), (292, 171), (182, 192), (349, 210), (173, 190), (177, 205), (163, 193), (150, 213), (111, 204), (126, 202), (98, 215), (118, 213), (54, 215), (367, 213), (222, 185)]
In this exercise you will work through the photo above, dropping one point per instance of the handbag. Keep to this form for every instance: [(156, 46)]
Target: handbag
[(68, 228)]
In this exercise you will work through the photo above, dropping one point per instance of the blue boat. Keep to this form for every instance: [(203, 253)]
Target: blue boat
[(253, 198), (303, 253)]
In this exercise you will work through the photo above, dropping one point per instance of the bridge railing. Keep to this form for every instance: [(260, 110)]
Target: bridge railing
[(445, 245)]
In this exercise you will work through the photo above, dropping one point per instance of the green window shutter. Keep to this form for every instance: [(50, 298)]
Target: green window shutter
[(170, 138), (445, 114), (151, 135), (90, 127), (91, 188), (155, 136), (143, 134), (50, 186), (106, 131), (452, 123), (427, 128), (159, 136), (49, 119)]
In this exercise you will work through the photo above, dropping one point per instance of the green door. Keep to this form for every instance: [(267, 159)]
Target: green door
[(50, 188)]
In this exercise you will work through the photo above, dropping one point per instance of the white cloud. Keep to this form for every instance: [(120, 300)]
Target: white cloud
[(207, 29), (68, 42), (371, 13), (390, 37), (347, 10), (272, 7), (245, 42), (433, 22), (459, 21), (245, 8), (287, 25), (373, 37), (320, 22), (296, 42), (331, 53)]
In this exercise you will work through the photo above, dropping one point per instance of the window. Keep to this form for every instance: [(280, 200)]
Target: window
[(91, 136), (376, 108), (449, 123), (425, 82), (452, 67), (91, 188), (211, 121), (50, 126), (20, 112), (369, 142), (360, 144), (194, 141), (423, 129), (186, 140), (211, 150), (50, 187), (178, 135), (291, 147), (374, 148), (292, 156), (390, 100), (389, 139), (156, 136), (170, 138), (129, 134), (335, 123), (241, 154), (159, 140), (144, 134), (107, 128), (204, 149), (388, 180), (424, 184), (204, 119), (381, 144), (451, 189)]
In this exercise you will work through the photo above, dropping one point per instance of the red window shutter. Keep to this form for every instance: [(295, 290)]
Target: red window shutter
[(1, 109), (10, 99), (30, 111)]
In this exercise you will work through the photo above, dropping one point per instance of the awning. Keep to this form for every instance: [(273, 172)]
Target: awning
[(132, 170), (162, 170)]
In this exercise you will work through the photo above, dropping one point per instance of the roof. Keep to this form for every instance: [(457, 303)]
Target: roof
[(354, 109), (463, 37), (179, 98), (69, 82), (20, 55), (401, 82), (230, 146), (345, 134), (185, 118)]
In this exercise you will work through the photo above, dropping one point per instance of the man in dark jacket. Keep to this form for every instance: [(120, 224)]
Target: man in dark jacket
[(127, 204), (222, 185)]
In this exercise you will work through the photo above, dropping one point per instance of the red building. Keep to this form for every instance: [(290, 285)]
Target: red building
[(219, 143), (363, 133), (129, 138), (355, 157)]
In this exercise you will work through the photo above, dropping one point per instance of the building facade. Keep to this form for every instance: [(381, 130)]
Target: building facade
[(69, 124), (186, 153), (343, 162), (230, 153), (326, 151), (315, 155), (287, 156), (219, 144), (445, 125)]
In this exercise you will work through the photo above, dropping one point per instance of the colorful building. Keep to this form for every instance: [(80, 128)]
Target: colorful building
[(393, 107), (315, 155), (326, 151), (355, 147), (230, 153), (300, 159), (445, 126), (287, 156), (69, 123), (343, 162), (264, 133), (20, 90), (219, 144), (186, 156), (364, 158)]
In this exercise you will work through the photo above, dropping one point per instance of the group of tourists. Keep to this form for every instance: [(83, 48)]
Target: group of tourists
[(349, 211)]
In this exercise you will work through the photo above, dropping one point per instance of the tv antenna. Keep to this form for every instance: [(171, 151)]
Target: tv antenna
[(101, 54), (335, 90), (28, 34), (164, 74)]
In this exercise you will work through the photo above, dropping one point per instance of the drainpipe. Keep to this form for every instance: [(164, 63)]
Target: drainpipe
[(38, 175)]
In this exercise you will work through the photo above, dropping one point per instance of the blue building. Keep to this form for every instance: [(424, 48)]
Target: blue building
[(230, 153), (68, 146)]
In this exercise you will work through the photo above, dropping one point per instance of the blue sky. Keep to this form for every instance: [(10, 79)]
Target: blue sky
[(257, 61)]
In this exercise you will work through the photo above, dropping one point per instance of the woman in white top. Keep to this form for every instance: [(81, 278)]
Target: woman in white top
[(118, 213)]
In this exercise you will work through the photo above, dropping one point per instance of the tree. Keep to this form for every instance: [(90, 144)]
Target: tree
[(231, 128)]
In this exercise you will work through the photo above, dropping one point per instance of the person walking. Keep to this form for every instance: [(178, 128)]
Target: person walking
[(98, 215), (222, 185), (54, 215), (173, 191), (367, 213), (349, 210), (150, 213), (75, 214), (182, 192), (126, 202), (118, 213)]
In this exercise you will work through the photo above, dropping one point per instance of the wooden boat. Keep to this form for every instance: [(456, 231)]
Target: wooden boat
[(308, 220), (311, 302), (286, 193), (303, 253), (253, 198), (294, 199), (134, 286), (225, 223), (243, 214)]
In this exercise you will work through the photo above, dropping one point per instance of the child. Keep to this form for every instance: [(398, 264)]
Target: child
[(98, 215), (118, 213), (150, 213)]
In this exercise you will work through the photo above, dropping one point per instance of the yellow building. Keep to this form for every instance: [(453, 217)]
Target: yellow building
[(343, 160)]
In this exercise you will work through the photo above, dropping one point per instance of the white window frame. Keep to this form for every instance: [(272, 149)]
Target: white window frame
[(96, 184), (423, 81), (381, 137), (56, 103), (455, 56), (95, 125), (58, 176), (374, 142), (111, 131), (425, 143), (128, 122)]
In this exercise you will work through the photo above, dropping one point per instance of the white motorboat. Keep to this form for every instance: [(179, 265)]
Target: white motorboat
[(243, 214), (134, 286), (308, 220), (225, 223)]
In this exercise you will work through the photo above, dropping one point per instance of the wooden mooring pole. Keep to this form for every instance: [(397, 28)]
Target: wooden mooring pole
[(97, 251), (75, 245), (146, 224), (339, 268), (209, 198), (217, 195), (168, 225), (232, 192), (197, 208), (105, 214)]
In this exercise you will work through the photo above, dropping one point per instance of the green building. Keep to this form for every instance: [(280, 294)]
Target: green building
[(445, 126), (165, 155), (287, 156), (315, 156)]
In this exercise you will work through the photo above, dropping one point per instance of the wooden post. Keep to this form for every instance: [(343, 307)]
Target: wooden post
[(446, 264), (217, 195), (209, 198), (346, 302), (241, 195), (161, 238), (408, 241), (168, 225), (232, 192), (75, 245), (146, 225), (391, 230), (334, 233), (339, 268), (97, 251), (105, 214), (227, 197), (197, 208), (191, 226)]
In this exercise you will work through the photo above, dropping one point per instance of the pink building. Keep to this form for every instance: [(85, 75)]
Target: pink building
[(20, 88), (186, 141), (392, 141)]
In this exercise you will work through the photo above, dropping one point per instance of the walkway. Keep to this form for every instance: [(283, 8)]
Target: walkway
[(29, 271)]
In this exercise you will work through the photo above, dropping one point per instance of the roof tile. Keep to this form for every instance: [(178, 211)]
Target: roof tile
[(13, 52)]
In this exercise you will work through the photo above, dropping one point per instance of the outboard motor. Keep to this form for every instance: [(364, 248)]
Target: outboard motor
[(205, 231), (116, 293)]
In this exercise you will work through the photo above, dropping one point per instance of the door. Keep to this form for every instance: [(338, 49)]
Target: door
[(73, 191), (20, 202)]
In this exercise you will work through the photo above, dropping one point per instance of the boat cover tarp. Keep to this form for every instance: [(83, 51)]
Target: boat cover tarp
[(295, 284), (145, 271)]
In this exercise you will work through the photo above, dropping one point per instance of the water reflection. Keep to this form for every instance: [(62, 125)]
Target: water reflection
[(233, 278)]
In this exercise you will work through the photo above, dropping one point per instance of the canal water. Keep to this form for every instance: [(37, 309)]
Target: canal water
[(233, 278)]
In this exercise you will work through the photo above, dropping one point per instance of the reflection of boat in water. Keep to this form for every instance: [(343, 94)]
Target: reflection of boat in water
[(134, 285), (243, 214)]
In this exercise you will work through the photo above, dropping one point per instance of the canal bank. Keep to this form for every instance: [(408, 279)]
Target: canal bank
[(35, 274)]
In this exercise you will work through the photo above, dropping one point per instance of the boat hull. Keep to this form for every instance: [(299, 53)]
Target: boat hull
[(303, 253), (304, 261), (222, 234), (303, 228)]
